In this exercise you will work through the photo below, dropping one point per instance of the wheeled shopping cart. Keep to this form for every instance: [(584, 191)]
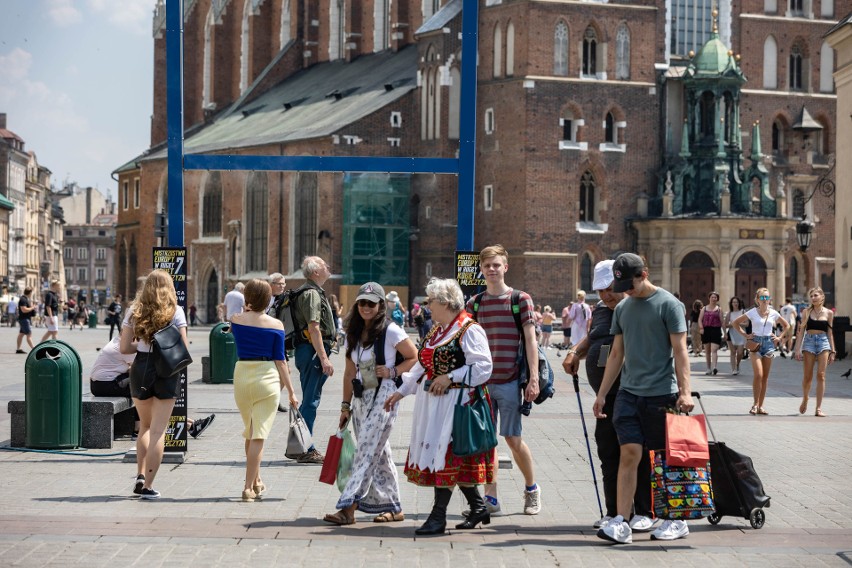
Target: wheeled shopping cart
[(737, 489)]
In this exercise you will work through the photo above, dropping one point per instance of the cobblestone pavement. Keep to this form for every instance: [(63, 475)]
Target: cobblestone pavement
[(67, 510)]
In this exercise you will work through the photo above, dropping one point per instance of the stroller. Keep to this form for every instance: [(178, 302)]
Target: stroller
[(737, 489)]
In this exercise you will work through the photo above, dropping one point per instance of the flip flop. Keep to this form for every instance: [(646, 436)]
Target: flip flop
[(389, 517), (762, 412), (753, 410), (339, 518)]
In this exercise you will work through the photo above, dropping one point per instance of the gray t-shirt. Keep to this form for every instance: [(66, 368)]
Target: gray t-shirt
[(645, 325)]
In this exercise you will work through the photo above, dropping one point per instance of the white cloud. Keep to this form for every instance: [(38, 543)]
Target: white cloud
[(15, 66), (63, 12), (131, 15)]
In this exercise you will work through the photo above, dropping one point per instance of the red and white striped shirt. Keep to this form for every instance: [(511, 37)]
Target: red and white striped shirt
[(495, 317)]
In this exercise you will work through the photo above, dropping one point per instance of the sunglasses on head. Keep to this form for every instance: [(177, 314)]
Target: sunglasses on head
[(367, 304), (764, 297)]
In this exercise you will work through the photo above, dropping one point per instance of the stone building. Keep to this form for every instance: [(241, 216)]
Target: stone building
[(580, 117), (29, 234), (88, 243)]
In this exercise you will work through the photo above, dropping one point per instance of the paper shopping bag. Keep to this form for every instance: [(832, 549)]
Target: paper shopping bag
[(332, 459), (686, 440)]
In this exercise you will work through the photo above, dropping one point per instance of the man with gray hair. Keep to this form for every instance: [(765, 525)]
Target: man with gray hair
[(234, 301), (276, 283), (315, 333)]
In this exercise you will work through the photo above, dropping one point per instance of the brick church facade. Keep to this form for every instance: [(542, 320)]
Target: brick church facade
[(580, 121)]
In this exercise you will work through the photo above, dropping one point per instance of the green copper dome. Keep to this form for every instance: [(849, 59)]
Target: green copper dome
[(714, 60)]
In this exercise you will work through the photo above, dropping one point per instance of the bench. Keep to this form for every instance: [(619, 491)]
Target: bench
[(103, 417)]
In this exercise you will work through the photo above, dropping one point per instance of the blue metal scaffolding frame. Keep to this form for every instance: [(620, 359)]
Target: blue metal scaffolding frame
[(463, 166)]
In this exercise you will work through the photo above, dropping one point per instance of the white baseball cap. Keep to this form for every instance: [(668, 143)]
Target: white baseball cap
[(603, 275)]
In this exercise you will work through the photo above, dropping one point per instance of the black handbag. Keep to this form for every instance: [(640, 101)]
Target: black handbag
[(170, 353), (473, 428)]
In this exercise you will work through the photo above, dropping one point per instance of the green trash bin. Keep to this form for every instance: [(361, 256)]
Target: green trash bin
[(223, 354), (53, 378), (93, 319)]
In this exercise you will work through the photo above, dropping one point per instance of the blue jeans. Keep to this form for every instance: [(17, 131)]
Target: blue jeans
[(312, 380)]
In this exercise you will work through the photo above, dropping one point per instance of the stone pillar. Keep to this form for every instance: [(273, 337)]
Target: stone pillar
[(726, 285), (666, 280), (779, 290)]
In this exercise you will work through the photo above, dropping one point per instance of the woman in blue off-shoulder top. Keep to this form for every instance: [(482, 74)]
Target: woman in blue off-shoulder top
[(259, 376)]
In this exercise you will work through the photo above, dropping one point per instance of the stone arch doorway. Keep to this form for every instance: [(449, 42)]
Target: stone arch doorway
[(211, 297), (696, 277), (751, 275)]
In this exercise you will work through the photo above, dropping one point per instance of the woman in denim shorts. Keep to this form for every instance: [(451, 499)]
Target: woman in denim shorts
[(816, 344), (763, 321)]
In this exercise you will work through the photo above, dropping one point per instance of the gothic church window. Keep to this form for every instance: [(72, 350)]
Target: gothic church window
[(590, 52), (560, 50), (211, 209), (826, 68), (795, 70), (622, 52), (587, 198), (498, 51), (770, 63), (257, 215), (510, 50)]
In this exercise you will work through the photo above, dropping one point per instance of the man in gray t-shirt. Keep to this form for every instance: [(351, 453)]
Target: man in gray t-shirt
[(650, 344)]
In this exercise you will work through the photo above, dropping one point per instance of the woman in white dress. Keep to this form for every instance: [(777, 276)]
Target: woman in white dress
[(455, 355), (369, 378), (736, 343)]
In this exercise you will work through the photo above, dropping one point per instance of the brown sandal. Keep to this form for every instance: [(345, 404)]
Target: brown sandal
[(819, 413), (389, 517), (339, 518)]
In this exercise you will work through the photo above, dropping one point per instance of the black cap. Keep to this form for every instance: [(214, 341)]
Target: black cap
[(624, 269)]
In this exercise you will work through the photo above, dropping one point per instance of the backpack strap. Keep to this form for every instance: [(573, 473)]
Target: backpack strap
[(379, 347), (476, 299), (516, 308)]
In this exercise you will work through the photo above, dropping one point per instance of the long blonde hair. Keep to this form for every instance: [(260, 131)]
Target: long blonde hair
[(154, 306), (811, 306)]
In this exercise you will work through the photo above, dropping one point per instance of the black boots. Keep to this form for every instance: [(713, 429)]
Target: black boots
[(437, 521), (478, 512)]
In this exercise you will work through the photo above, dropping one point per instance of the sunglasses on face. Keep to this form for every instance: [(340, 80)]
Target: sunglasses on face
[(764, 297), (366, 304)]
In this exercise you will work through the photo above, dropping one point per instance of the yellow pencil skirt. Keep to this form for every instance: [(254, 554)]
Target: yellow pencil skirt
[(257, 392)]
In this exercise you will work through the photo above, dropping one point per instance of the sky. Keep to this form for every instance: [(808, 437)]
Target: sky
[(76, 83)]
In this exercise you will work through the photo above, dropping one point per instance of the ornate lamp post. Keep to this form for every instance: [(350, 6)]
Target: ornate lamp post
[(804, 232)]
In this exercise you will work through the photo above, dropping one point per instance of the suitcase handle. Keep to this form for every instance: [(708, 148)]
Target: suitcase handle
[(697, 395)]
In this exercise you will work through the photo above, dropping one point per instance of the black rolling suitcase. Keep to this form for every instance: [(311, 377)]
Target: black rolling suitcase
[(737, 489)]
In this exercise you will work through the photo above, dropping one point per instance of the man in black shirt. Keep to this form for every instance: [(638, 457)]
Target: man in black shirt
[(114, 314), (51, 311), (595, 348), (25, 314)]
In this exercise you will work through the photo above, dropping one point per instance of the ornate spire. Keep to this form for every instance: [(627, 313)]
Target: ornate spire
[(756, 153)]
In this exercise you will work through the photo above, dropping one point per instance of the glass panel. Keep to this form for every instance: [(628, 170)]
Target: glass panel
[(376, 228)]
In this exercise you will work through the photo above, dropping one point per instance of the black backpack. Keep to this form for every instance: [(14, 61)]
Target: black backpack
[(379, 353), (545, 371), (284, 309)]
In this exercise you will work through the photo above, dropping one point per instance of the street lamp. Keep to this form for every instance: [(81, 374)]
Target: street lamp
[(804, 231)]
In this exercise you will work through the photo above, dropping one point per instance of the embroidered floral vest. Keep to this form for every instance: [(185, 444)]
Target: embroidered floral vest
[(445, 357)]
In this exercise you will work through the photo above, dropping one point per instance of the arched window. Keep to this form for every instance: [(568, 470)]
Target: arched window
[(455, 104), (207, 72), (436, 110), (826, 68), (777, 137), (498, 51), (211, 209), (336, 30), (770, 63), (381, 24), (795, 75), (796, 7), (305, 208), (587, 197), (590, 52), (510, 50), (284, 34), (244, 47), (622, 52), (586, 271), (609, 129), (256, 214), (794, 276), (560, 50)]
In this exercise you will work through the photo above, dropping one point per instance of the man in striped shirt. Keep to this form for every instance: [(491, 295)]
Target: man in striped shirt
[(495, 314)]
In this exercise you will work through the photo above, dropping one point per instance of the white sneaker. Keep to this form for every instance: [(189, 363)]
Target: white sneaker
[(670, 530), (616, 531), (708, 372), (532, 501), (641, 523), (602, 521)]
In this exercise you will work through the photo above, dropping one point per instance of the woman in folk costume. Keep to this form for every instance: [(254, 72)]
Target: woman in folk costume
[(455, 355)]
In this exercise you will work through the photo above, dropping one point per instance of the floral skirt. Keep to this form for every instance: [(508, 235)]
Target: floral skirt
[(468, 470)]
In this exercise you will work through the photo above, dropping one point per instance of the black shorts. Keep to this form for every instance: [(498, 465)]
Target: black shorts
[(712, 335), (26, 328), (145, 383)]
